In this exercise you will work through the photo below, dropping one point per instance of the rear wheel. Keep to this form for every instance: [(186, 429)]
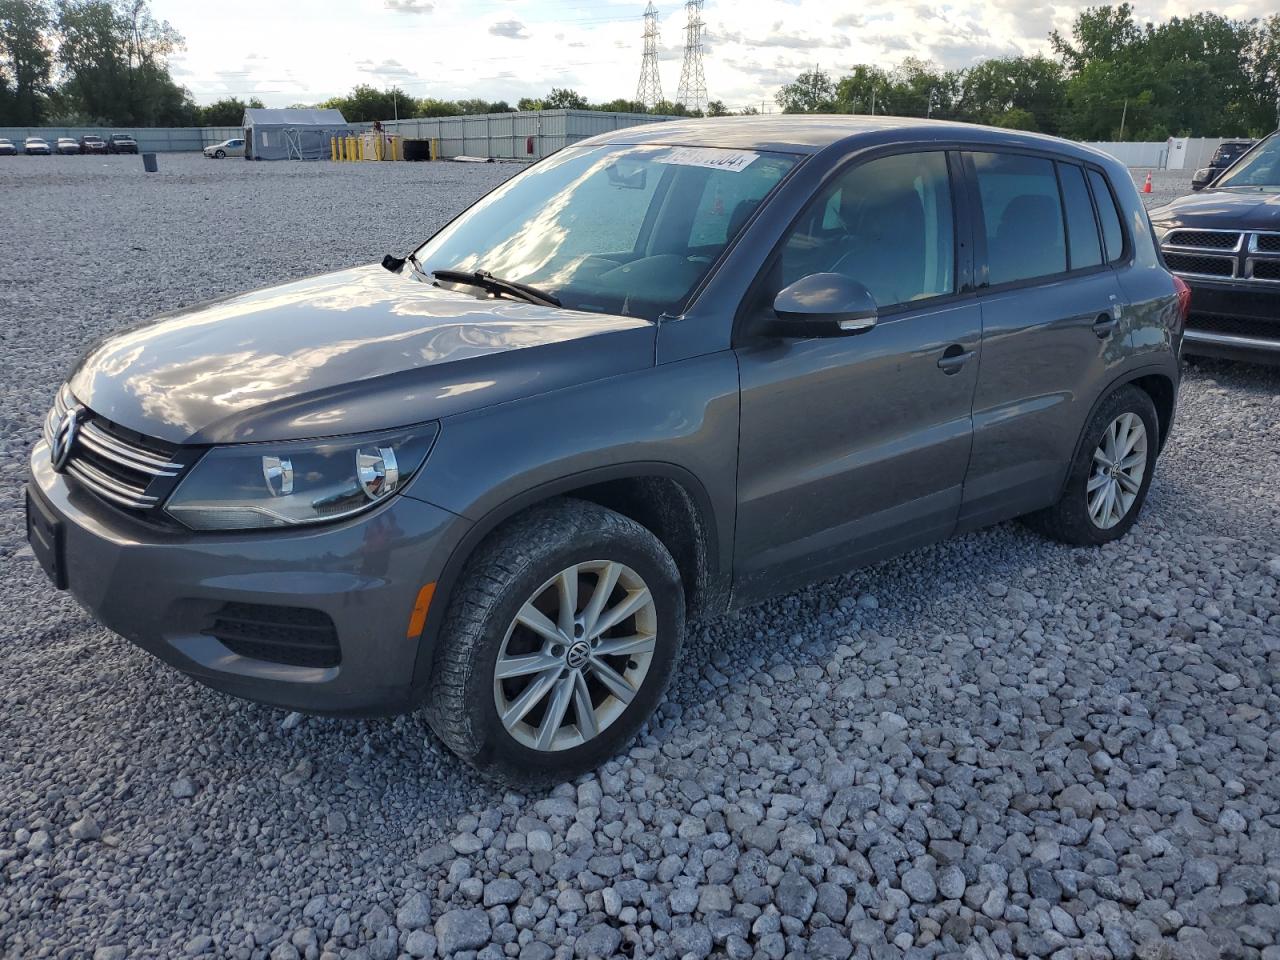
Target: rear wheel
[(1108, 481), (557, 644)]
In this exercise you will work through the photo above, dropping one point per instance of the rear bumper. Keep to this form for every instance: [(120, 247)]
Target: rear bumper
[(162, 589), (1234, 321)]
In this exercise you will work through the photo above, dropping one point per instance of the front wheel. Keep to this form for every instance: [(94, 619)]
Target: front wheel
[(1109, 479), (220, 154), (557, 644)]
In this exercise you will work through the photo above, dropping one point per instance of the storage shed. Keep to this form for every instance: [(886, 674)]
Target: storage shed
[(292, 133)]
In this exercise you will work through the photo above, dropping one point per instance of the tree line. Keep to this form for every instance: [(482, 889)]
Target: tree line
[(1109, 78), (106, 62)]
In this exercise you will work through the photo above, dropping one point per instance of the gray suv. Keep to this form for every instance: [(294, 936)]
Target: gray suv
[(661, 374)]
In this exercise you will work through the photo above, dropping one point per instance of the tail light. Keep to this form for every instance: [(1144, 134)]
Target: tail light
[(1184, 301)]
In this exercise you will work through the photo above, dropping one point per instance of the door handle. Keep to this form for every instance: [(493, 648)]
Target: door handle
[(1105, 324), (953, 358)]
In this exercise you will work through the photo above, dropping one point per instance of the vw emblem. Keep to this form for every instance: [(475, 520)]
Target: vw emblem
[(64, 435), (578, 655)]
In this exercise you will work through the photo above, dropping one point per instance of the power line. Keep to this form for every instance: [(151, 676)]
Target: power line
[(649, 89), (692, 91)]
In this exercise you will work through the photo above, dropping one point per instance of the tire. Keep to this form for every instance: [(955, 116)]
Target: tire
[(518, 566), (220, 154), (1071, 519)]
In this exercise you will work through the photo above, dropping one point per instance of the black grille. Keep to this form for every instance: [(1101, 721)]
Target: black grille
[(1270, 242), (295, 636), (1266, 269), (1192, 263), (1234, 326), (1203, 238)]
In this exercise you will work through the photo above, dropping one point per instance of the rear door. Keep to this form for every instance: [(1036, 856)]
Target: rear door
[(1053, 327), (853, 448)]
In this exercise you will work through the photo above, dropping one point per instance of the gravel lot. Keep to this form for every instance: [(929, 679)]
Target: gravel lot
[(995, 746)]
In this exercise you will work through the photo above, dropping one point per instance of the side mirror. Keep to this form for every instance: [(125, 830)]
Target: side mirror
[(1201, 178), (824, 305)]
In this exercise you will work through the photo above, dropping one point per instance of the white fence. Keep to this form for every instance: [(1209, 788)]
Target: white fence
[(150, 139), (1177, 153), (525, 135)]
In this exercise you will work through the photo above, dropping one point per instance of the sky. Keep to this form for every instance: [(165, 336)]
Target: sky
[(286, 51)]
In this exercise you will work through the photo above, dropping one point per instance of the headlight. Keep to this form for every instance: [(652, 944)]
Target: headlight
[(253, 485)]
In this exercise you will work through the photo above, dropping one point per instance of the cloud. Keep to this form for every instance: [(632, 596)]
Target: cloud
[(511, 29), (849, 20), (778, 37), (386, 70), (409, 6)]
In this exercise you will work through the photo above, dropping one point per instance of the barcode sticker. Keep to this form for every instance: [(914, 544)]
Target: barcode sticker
[(713, 157)]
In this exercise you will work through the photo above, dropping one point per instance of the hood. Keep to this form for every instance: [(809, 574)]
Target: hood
[(345, 352), (1243, 208)]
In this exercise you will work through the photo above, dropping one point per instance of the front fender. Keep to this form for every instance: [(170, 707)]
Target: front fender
[(677, 421)]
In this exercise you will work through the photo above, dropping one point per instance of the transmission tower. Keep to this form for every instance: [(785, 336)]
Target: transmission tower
[(649, 89), (693, 82)]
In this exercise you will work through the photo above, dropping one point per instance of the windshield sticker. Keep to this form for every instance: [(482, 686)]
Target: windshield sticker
[(713, 157)]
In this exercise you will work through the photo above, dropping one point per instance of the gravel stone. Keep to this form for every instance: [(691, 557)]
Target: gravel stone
[(414, 912), (601, 940), (1081, 748), (919, 885), (86, 828), (462, 930)]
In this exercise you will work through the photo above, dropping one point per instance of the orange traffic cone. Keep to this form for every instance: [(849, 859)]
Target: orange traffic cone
[(1146, 187)]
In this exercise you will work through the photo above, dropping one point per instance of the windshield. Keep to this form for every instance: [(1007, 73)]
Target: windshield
[(1261, 168), (629, 230)]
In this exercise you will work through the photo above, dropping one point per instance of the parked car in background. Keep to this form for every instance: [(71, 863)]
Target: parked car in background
[(1228, 152), (665, 372), (121, 143), (7, 149), (1225, 242), (227, 148), (34, 145), (92, 143), (66, 146)]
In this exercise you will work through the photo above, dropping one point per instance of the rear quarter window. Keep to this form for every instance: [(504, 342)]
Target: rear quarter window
[(1108, 216)]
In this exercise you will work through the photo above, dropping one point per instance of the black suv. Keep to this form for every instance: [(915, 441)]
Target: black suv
[(1228, 152), (121, 143), (663, 373), (1225, 242)]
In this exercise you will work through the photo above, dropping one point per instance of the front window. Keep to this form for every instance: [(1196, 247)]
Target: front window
[(1261, 168), (886, 223), (629, 230)]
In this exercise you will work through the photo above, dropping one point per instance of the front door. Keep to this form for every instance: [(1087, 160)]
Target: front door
[(855, 447)]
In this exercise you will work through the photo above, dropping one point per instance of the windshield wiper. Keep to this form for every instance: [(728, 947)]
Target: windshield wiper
[(496, 285)]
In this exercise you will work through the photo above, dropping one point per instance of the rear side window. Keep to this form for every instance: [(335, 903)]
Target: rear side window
[(1023, 215), (1083, 246), (1112, 234)]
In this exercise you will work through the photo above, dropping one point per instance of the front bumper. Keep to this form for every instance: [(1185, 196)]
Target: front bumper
[(161, 588), (1234, 320)]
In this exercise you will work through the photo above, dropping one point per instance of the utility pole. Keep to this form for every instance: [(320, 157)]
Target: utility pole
[(692, 91), (1123, 113), (649, 89)]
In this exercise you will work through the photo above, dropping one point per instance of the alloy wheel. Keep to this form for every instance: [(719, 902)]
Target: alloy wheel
[(1119, 464), (575, 655)]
